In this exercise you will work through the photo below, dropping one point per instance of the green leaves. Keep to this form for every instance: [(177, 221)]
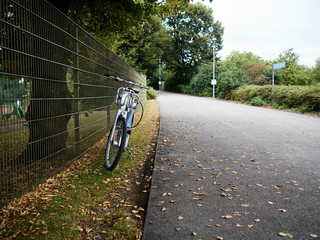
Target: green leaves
[(192, 31)]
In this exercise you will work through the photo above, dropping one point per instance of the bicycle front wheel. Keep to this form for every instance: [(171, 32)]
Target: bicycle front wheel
[(116, 144)]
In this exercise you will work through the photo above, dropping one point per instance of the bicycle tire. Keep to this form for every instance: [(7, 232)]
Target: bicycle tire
[(142, 112), (116, 143)]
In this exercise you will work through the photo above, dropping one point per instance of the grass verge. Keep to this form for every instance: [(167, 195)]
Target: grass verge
[(85, 201)]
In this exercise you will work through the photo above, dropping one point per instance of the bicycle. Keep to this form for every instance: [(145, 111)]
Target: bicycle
[(118, 139)]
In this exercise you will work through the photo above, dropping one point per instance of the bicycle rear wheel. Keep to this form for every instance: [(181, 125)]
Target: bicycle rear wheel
[(115, 146)]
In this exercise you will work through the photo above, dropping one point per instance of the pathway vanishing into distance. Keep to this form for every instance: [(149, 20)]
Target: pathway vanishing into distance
[(235, 171)]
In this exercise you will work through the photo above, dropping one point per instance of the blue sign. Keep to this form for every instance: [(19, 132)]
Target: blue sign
[(279, 65)]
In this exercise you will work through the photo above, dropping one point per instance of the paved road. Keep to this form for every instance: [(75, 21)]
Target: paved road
[(234, 171)]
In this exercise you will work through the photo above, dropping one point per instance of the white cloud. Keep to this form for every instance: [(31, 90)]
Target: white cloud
[(267, 28)]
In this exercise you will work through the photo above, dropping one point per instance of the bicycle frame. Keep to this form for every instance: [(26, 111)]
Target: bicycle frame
[(128, 101)]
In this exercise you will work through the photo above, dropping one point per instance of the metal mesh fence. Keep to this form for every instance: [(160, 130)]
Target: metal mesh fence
[(55, 100)]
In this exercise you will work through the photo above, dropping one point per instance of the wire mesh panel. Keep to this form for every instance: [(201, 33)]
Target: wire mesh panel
[(55, 100)]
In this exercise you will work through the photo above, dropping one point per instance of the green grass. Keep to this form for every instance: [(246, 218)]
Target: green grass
[(86, 200)]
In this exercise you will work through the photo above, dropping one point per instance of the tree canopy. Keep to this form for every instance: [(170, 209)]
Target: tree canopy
[(293, 73), (192, 31)]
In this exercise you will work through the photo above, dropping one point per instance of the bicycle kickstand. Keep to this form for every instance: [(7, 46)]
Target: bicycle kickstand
[(129, 151)]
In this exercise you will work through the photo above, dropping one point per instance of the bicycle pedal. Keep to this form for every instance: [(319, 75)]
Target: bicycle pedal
[(129, 151)]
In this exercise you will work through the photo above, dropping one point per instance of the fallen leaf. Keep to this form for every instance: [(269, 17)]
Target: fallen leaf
[(163, 209), (178, 229), (219, 238), (257, 220), (238, 225), (80, 229), (245, 205), (194, 233), (282, 210), (180, 217), (250, 226), (236, 213), (282, 234), (224, 195), (226, 217), (198, 199), (270, 202), (313, 235)]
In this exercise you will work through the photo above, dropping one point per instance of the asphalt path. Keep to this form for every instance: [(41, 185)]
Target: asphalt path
[(231, 171)]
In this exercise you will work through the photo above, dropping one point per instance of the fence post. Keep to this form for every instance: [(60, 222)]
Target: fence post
[(76, 96), (108, 64)]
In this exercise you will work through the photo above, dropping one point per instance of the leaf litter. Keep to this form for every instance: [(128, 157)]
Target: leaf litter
[(118, 209)]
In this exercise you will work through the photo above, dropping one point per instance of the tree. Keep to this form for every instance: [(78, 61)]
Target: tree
[(110, 16), (144, 45), (256, 72), (293, 73), (192, 31), (238, 59)]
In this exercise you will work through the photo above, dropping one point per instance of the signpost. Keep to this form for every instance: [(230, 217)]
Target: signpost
[(276, 66), (279, 65)]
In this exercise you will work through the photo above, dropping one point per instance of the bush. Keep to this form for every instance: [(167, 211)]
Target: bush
[(302, 98), (258, 101), (230, 78), (200, 84), (151, 93)]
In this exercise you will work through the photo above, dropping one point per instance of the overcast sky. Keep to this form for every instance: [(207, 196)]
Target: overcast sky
[(268, 27)]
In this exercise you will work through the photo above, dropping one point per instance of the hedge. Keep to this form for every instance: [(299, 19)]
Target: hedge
[(302, 98)]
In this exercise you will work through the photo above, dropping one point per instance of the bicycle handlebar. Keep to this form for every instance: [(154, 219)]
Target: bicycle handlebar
[(125, 81)]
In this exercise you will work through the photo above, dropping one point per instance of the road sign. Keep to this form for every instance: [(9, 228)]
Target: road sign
[(213, 82), (279, 65)]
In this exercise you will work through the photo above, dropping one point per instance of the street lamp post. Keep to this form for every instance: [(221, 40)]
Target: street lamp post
[(213, 69), (160, 74)]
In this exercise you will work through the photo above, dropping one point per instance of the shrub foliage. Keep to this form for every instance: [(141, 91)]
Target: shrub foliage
[(302, 98)]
